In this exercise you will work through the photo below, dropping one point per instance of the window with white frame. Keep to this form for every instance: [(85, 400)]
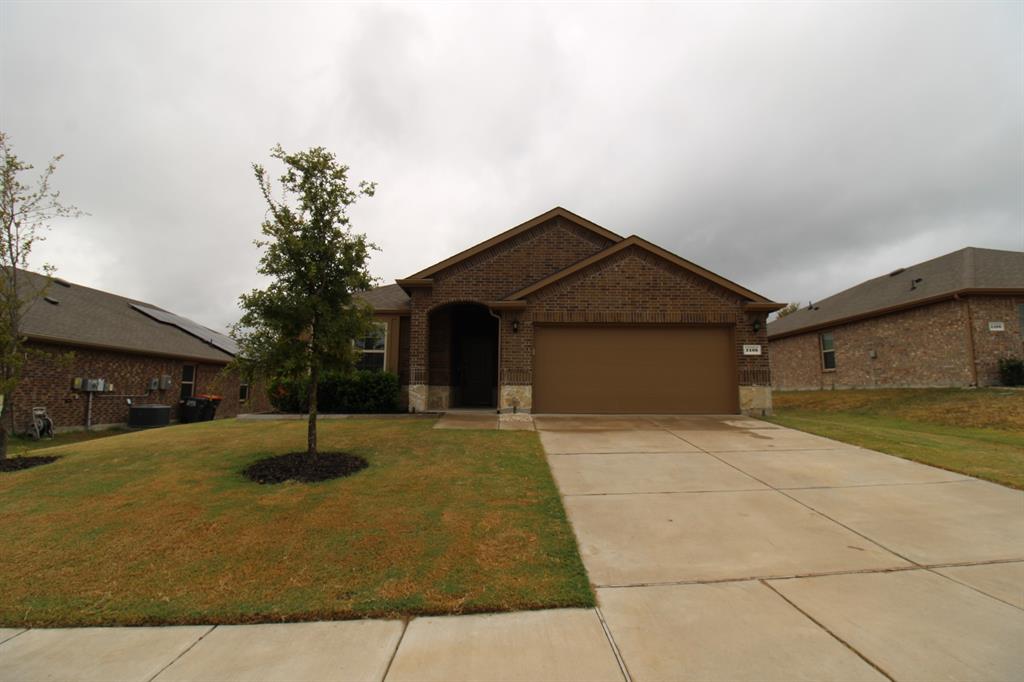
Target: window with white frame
[(828, 351), (373, 348)]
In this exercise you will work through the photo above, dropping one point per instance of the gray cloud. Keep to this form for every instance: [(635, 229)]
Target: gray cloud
[(795, 148)]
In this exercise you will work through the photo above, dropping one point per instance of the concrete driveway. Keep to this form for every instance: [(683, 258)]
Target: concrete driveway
[(727, 548)]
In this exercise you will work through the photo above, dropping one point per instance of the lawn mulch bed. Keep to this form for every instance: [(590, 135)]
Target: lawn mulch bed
[(299, 466), (21, 463)]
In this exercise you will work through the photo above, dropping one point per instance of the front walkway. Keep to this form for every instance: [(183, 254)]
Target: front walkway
[(721, 548)]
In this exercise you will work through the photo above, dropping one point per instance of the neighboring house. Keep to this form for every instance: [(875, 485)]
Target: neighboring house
[(82, 333), (560, 315), (944, 322)]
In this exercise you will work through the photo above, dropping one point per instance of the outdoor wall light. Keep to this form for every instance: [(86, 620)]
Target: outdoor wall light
[(757, 325), (515, 326)]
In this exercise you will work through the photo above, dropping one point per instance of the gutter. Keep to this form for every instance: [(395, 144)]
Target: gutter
[(57, 341), (949, 295)]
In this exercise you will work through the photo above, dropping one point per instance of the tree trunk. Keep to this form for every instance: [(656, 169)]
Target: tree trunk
[(3, 442), (314, 379)]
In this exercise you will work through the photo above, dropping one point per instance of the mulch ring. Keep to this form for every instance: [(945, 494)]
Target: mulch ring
[(19, 463), (298, 466)]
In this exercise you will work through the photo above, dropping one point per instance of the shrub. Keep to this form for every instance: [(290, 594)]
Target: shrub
[(360, 392), (1011, 371)]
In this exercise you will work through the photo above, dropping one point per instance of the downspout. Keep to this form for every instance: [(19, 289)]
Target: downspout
[(970, 339), (498, 387), (88, 413)]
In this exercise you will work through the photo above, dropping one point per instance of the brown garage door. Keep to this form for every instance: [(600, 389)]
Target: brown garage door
[(634, 369)]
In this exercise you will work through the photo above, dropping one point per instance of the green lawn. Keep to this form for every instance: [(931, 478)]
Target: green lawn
[(160, 527), (979, 432)]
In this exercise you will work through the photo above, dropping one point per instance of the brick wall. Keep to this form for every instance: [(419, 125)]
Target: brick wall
[(633, 286), (49, 370), (636, 287), (494, 274), (990, 346), (927, 346)]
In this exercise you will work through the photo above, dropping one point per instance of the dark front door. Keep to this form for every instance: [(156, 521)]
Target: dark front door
[(477, 366), (474, 358)]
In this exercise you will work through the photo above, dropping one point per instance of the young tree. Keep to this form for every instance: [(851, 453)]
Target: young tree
[(304, 323), (26, 210)]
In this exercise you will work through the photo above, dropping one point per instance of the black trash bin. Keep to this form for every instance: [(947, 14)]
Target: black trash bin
[(200, 408), (209, 406), (190, 410)]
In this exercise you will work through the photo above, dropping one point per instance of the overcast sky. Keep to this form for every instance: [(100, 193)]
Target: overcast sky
[(795, 148)]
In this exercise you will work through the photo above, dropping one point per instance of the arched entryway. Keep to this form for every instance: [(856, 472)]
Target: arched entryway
[(463, 354)]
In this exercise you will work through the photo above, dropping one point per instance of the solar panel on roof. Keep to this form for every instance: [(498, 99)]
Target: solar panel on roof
[(215, 339)]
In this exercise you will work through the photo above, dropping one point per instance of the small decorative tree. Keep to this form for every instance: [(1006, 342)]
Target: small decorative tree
[(304, 323), (25, 214)]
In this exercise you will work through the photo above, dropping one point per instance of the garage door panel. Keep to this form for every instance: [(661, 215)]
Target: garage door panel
[(634, 369)]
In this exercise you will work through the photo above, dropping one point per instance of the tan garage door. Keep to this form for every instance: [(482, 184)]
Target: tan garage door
[(634, 369)]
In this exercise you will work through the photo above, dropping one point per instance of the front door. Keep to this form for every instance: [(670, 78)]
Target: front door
[(477, 371)]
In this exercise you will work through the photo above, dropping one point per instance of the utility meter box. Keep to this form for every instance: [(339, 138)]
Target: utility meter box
[(154, 384), (94, 385), (165, 382)]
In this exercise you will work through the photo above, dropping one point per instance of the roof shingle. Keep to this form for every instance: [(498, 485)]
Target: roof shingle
[(967, 269), (76, 315)]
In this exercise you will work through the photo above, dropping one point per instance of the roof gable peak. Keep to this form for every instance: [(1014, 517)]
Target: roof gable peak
[(556, 212), (640, 242)]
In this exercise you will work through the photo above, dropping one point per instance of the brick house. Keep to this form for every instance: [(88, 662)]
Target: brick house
[(560, 315), (943, 322), (78, 332)]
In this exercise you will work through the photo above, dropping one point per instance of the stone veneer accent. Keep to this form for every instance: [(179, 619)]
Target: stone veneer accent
[(756, 401), (515, 398)]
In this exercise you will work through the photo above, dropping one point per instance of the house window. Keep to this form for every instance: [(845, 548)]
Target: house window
[(828, 351), (188, 381), (373, 347), (243, 392)]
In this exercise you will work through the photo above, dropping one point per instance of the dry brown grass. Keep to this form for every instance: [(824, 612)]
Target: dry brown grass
[(989, 408), (160, 527)]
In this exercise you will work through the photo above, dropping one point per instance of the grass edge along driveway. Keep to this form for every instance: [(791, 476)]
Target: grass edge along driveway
[(977, 432), (159, 527)]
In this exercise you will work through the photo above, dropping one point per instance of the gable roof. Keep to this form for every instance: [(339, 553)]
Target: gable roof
[(638, 242), (386, 299), (557, 212), (79, 316), (969, 270)]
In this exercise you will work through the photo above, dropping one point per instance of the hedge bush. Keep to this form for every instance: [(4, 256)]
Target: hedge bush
[(1011, 372), (360, 392)]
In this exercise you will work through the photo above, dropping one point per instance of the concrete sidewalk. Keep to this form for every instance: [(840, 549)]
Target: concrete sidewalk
[(720, 549)]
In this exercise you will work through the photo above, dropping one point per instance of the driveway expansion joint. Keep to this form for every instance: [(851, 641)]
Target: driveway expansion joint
[(784, 494), (178, 657), (401, 636), (829, 632), (615, 647)]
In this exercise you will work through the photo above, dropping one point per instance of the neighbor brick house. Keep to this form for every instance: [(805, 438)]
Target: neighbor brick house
[(80, 333), (560, 315), (944, 322)]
